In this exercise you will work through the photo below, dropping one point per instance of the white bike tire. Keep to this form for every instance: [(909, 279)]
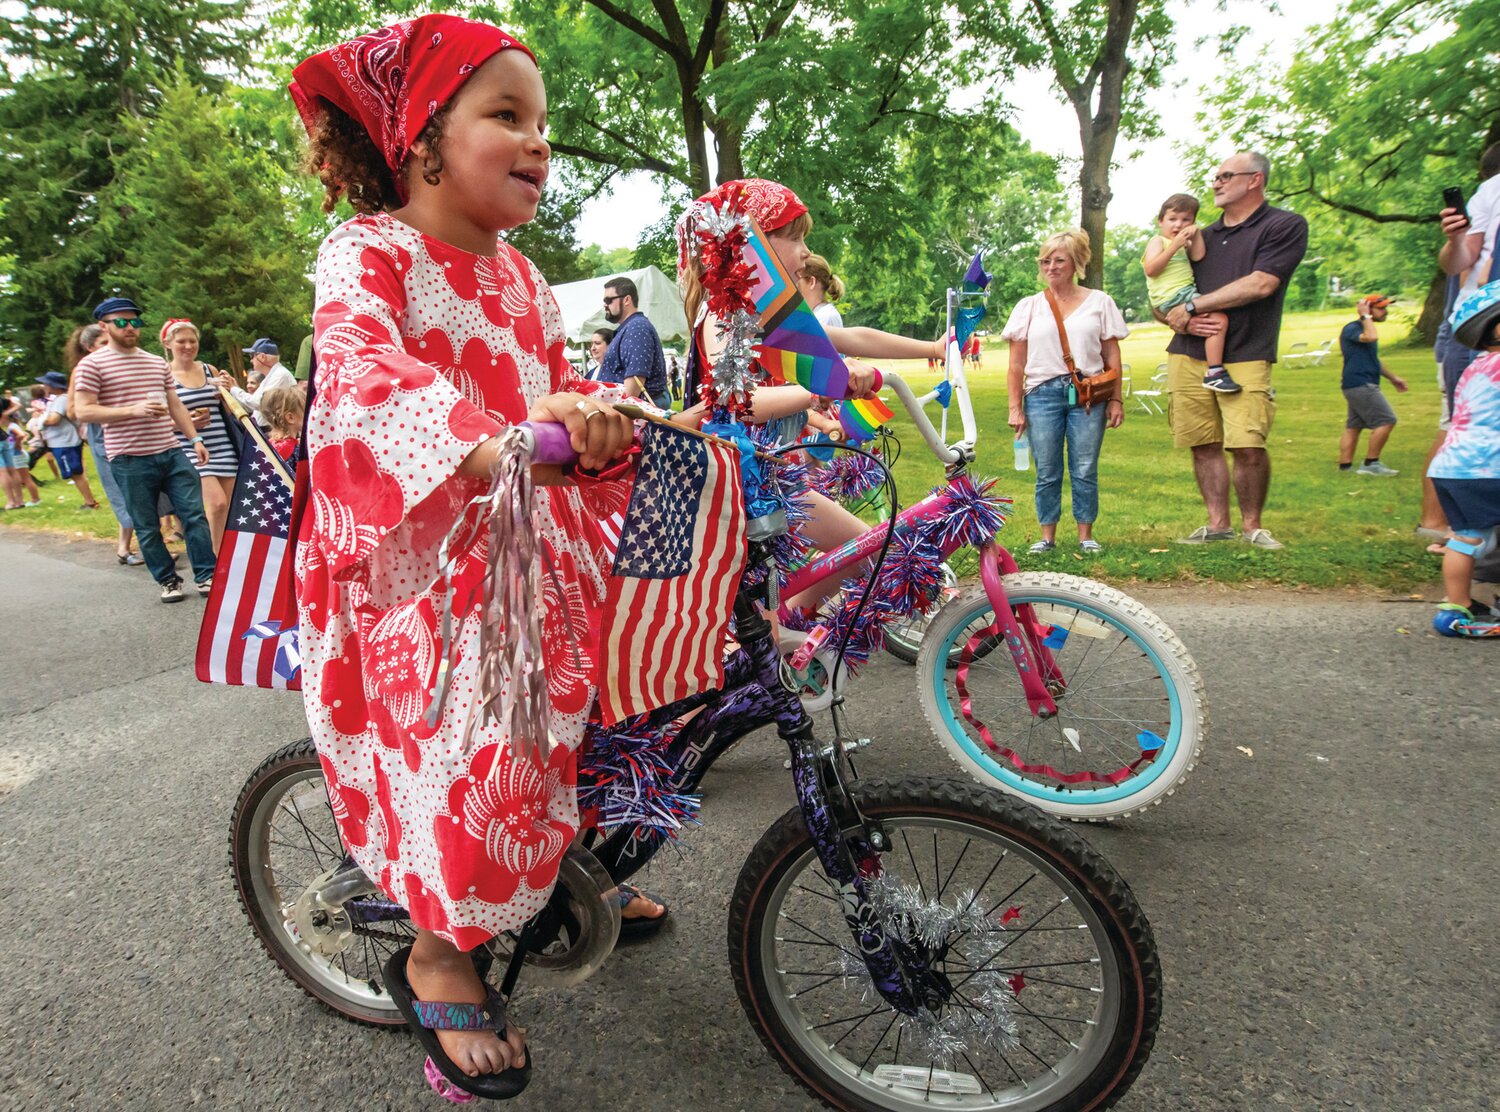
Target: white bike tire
[(1178, 671)]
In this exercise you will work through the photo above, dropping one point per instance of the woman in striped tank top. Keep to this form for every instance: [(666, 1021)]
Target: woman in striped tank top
[(200, 394)]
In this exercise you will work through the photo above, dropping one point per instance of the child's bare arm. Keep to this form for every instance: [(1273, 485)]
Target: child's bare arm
[(1159, 253), (1196, 247)]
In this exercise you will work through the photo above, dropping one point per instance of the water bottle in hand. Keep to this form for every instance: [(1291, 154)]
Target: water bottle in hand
[(1023, 452)]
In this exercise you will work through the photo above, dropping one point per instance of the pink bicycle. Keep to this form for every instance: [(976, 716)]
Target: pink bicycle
[(1059, 689)]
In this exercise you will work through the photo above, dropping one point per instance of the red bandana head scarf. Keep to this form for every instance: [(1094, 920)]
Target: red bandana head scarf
[(395, 79), (771, 204)]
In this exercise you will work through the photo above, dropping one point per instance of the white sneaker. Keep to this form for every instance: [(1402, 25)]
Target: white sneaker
[(1375, 467), (1261, 538)]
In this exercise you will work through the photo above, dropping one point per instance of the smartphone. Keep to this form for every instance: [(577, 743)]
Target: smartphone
[(1453, 198)]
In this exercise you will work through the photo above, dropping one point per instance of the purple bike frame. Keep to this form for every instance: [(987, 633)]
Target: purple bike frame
[(1019, 629)]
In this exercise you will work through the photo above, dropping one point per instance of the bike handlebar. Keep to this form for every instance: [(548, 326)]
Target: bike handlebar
[(948, 455), (550, 442)]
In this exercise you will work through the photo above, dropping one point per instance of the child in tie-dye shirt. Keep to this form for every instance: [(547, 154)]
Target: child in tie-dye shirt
[(1466, 470)]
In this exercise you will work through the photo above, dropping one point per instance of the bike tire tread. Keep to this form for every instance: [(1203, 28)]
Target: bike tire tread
[(965, 798)]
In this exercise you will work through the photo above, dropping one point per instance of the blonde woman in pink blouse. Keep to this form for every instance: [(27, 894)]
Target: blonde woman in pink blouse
[(1042, 404)]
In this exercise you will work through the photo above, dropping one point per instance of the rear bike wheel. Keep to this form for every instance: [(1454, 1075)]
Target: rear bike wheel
[(903, 637), (282, 839), (1048, 971), (1130, 714)]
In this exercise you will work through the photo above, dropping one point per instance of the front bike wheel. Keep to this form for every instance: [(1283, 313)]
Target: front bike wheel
[(1049, 973), (282, 839), (1130, 714)]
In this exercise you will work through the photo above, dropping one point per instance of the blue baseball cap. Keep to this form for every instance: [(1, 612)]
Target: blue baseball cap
[(55, 379), (111, 306), (263, 346)]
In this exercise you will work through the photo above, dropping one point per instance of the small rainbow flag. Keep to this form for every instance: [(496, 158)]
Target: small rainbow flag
[(861, 418), (793, 345)]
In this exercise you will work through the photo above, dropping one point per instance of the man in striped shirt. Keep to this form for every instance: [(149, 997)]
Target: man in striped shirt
[(131, 393)]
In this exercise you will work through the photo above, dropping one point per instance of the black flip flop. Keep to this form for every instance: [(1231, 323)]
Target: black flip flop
[(426, 1018), (641, 927)]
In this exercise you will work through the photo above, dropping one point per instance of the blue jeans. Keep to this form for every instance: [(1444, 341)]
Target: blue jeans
[(1051, 423), (143, 479), (112, 491)]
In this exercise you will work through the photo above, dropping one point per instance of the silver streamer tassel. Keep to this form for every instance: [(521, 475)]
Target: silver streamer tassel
[(510, 631)]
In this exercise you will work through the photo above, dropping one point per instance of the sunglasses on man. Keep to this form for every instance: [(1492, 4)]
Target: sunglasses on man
[(125, 322), (612, 300)]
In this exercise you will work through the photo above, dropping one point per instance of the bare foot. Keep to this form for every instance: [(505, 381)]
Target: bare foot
[(441, 972), (642, 907)]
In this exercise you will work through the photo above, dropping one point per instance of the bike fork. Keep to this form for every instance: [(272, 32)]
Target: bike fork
[(1033, 660)]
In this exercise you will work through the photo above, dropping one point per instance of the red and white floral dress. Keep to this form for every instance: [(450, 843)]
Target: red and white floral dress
[(425, 350)]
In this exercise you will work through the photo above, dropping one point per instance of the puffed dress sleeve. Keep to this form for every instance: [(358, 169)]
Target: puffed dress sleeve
[(388, 431), (1112, 324), (1019, 324)]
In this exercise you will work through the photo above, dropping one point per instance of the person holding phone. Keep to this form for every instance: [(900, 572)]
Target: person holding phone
[(132, 394)]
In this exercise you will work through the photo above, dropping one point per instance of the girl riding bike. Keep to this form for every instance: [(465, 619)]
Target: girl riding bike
[(431, 337), (783, 407)]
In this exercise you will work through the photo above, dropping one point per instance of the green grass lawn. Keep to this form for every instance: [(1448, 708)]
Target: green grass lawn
[(1340, 528)]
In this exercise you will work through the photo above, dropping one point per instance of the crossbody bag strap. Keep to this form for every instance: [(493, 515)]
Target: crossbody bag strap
[(1062, 333)]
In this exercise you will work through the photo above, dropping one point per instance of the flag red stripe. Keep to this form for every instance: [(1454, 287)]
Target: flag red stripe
[(207, 662)]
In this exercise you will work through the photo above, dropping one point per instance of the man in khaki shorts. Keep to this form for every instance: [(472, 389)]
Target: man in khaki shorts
[(1250, 253)]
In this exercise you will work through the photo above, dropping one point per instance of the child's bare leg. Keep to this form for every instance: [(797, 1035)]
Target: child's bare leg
[(828, 526), (1458, 573), (1213, 346), (439, 970), (30, 484)]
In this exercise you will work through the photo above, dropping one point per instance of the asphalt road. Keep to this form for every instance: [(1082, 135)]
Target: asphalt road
[(1322, 889)]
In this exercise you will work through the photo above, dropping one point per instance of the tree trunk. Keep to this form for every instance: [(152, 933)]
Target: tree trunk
[(1098, 150), (694, 132), (1425, 330), (1098, 128)]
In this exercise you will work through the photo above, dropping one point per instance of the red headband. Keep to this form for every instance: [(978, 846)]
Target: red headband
[(771, 204), (395, 79), (173, 324)]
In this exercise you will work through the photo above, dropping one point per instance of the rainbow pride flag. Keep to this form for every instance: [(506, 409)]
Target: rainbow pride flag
[(861, 418), (793, 345)]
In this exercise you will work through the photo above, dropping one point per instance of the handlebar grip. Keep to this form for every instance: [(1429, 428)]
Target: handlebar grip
[(550, 442), (879, 382)]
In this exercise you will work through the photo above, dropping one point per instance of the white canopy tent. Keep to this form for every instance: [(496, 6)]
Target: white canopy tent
[(582, 305)]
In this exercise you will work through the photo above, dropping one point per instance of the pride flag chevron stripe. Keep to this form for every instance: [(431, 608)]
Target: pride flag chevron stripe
[(793, 345), (862, 418)]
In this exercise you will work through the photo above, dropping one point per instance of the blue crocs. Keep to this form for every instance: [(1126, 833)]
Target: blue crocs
[(1452, 620)]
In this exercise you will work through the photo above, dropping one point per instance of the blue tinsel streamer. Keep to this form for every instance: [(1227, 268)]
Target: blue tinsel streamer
[(911, 576), (849, 477), (622, 773), (971, 517)]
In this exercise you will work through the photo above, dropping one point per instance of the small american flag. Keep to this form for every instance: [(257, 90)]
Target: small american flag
[(678, 565), (248, 637)]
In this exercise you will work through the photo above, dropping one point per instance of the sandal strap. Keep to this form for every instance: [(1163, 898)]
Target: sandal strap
[(440, 1015)]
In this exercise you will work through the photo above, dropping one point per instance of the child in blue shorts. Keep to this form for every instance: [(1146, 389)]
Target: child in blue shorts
[(1466, 470)]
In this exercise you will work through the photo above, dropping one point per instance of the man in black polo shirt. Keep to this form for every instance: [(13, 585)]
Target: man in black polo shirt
[(1251, 251)]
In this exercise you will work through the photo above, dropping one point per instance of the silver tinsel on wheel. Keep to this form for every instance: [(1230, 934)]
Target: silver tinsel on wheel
[(985, 1015)]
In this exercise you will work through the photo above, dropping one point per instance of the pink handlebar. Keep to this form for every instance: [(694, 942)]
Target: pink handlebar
[(551, 442)]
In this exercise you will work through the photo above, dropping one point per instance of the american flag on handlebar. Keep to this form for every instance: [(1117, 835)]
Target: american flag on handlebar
[(678, 565)]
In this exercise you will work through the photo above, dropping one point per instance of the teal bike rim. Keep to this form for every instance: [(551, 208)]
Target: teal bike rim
[(1001, 770)]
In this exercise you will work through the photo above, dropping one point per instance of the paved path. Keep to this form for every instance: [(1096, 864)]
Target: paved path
[(1325, 908)]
